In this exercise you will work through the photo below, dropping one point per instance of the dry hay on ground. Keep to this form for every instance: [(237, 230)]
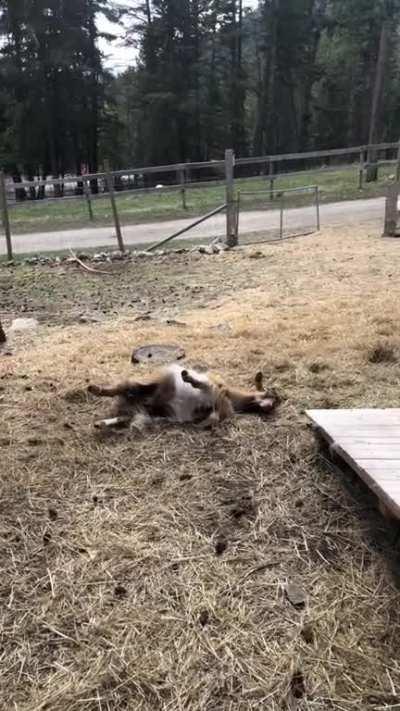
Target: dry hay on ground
[(150, 572)]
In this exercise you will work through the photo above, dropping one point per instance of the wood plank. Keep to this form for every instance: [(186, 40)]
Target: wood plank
[(344, 418), (368, 440)]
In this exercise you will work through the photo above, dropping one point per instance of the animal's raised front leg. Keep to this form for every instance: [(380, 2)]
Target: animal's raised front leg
[(259, 382), (197, 384)]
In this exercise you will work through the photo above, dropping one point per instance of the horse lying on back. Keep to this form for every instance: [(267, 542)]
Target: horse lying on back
[(178, 395)]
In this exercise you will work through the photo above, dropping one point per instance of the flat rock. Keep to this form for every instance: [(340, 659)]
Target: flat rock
[(157, 353), (24, 324), (296, 595)]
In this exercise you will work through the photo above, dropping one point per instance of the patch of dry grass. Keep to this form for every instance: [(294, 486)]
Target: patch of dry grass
[(150, 572)]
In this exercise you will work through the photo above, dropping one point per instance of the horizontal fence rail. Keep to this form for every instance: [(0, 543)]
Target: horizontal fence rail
[(183, 170)]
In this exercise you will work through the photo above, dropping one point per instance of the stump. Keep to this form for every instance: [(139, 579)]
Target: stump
[(157, 354)]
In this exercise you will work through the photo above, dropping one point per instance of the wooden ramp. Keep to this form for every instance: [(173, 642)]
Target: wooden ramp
[(369, 441)]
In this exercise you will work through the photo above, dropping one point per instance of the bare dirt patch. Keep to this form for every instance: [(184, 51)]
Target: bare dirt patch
[(152, 572)]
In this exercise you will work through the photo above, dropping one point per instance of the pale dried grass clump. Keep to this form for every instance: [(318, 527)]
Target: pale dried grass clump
[(151, 572)]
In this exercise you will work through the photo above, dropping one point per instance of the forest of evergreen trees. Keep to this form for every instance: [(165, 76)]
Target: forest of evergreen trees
[(289, 75)]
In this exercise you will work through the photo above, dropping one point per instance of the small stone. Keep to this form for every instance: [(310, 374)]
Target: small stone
[(24, 324), (117, 255), (206, 250), (218, 248), (296, 595), (99, 257)]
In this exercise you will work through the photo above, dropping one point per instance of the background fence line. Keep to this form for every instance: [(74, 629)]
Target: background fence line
[(180, 178), (181, 171)]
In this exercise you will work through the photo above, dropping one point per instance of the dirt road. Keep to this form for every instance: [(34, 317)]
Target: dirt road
[(333, 214)]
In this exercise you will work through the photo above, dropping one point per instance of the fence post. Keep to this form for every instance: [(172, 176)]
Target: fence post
[(317, 208), (271, 180), (181, 174), (361, 170), (231, 234), (391, 211), (110, 186), (4, 214), (86, 189), (398, 164), (281, 216)]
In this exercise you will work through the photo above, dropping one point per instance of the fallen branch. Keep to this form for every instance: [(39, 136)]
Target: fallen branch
[(86, 267)]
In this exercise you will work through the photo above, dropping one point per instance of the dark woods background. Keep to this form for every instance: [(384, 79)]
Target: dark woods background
[(291, 75)]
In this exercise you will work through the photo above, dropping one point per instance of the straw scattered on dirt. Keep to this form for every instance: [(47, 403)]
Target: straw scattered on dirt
[(226, 570)]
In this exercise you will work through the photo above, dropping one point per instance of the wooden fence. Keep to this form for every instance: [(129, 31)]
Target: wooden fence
[(218, 172)]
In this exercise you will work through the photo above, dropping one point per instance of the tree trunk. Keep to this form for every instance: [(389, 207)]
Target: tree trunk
[(265, 134), (372, 170), (318, 12)]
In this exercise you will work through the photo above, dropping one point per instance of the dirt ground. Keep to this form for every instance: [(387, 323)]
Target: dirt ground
[(182, 570)]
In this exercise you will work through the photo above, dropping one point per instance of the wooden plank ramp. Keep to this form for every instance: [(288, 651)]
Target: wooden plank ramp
[(369, 442)]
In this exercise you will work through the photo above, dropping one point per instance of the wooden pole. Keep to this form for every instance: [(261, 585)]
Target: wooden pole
[(281, 218), (317, 208), (237, 216), (372, 169), (187, 228), (398, 164), (390, 227), (110, 186), (271, 180), (4, 214), (231, 236), (361, 170), (86, 189)]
